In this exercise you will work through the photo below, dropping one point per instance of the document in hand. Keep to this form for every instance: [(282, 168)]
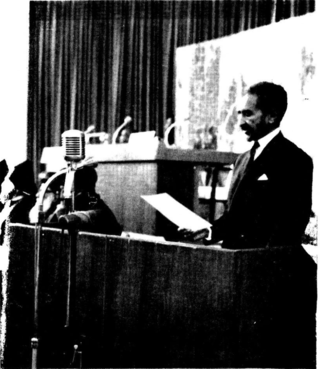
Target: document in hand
[(176, 212)]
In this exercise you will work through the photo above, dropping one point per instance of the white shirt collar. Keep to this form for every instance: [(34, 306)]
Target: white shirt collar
[(263, 142)]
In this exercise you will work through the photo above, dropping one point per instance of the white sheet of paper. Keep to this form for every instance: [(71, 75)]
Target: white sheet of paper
[(176, 212)]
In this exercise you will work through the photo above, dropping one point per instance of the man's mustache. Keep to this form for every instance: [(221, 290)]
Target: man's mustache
[(245, 127)]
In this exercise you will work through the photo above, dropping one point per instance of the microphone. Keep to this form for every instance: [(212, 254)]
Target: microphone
[(127, 120), (73, 142), (90, 129)]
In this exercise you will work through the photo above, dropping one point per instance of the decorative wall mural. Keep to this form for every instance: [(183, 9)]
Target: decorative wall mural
[(211, 76)]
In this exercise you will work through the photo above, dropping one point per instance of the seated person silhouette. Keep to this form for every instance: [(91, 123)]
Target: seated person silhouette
[(18, 195), (3, 173), (90, 211), (18, 192)]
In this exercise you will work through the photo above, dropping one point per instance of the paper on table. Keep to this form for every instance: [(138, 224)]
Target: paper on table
[(176, 212)]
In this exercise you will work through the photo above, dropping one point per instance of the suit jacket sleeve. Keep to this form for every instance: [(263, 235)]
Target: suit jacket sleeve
[(293, 201)]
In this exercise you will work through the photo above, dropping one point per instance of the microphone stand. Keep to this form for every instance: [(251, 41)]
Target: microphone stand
[(69, 199), (69, 203), (70, 291), (69, 196), (37, 248)]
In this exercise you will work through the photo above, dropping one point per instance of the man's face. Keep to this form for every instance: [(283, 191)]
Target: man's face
[(253, 121)]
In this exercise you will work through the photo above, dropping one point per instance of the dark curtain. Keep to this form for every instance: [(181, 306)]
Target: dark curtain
[(95, 62)]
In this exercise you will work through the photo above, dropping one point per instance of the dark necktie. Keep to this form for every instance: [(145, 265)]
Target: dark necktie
[(253, 152), (241, 175)]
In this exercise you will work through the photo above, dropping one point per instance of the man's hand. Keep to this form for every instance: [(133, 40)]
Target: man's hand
[(192, 236)]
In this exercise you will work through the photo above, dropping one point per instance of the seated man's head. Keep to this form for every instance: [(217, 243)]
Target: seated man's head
[(22, 179), (262, 109), (85, 180)]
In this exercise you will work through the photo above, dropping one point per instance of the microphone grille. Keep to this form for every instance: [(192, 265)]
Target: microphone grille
[(73, 142)]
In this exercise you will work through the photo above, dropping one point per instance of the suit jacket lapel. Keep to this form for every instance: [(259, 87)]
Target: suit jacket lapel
[(238, 175), (258, 167)]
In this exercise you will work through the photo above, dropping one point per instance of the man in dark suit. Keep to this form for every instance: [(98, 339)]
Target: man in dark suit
[(269, 201), (269, 205)]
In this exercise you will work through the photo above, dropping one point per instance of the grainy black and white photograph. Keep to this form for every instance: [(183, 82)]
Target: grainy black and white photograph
[(159, 184)]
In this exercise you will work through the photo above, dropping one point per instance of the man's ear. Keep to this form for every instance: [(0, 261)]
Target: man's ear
[(271, 118)]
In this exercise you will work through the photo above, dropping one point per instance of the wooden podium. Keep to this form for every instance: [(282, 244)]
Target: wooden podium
[(127, 171), (138, 303)]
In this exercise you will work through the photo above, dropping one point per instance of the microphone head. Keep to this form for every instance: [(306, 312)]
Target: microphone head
[(90, 129), (73, 142), (127, 119)]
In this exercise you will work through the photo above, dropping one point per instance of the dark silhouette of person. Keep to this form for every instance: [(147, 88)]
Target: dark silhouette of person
[(23, 196), (91, 213), (270, 196)]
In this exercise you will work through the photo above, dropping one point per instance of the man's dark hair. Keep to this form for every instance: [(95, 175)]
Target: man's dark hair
[(85, 179), (272, 98), (23, 179)]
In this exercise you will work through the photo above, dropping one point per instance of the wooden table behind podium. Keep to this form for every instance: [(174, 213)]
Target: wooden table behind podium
[(127, 171), (146, 304)]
